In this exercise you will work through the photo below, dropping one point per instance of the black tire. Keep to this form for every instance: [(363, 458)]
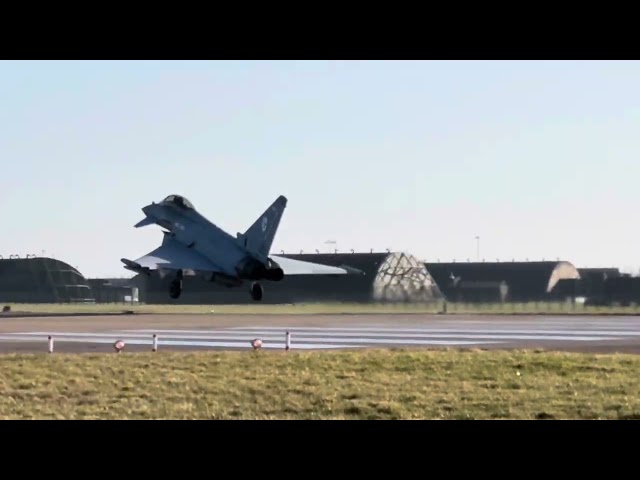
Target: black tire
[(175, 289), (256, 292)]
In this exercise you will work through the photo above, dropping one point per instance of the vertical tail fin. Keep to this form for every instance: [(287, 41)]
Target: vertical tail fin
[(259, 236)]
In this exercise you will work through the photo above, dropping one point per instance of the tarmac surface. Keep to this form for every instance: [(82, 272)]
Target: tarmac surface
[(601, 334)]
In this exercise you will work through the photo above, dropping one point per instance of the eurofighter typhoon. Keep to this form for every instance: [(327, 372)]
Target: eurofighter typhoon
[(192, 245)]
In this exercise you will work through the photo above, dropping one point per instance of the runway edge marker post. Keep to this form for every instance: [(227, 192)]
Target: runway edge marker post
[(50, 339), (287, 341), (155, 343)]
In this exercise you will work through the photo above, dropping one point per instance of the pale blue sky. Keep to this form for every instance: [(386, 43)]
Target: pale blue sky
[(540, 159)]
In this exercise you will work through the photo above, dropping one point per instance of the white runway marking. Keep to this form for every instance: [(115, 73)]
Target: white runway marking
[(147, 340), (215, 341), (302, 336), (516, 334), (439, 333)]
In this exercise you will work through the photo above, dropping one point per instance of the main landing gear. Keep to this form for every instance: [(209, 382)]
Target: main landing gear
[(256, 291), (175, 288)]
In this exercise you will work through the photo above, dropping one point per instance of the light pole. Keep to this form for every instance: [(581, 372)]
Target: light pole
[(477, 248), (330, 242)]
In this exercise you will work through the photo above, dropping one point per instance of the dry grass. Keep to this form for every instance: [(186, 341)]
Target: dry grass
[(372, 384), (331, 308)]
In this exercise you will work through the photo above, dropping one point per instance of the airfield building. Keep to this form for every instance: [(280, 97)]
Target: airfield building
[(388, 277), (491, 282), (113, 290), (41, 280)]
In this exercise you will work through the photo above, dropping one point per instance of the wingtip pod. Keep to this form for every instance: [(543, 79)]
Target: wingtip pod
[(134, 267), (129, 264), (351, 270)]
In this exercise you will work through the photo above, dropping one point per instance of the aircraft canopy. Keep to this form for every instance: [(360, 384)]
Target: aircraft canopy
[(179, 201)]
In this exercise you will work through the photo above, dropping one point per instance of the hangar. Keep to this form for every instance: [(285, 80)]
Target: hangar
[(41, 280), (502, 281)]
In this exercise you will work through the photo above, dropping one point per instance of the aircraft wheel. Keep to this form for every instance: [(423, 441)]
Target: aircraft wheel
[(175, 289), (256, 292)]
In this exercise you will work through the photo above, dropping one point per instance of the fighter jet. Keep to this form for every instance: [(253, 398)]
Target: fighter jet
[(192, 245)]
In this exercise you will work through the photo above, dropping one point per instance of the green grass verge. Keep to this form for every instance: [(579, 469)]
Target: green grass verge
[(372, 384), (330, 308)]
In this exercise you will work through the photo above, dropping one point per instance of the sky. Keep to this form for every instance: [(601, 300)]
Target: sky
[(539, 159)]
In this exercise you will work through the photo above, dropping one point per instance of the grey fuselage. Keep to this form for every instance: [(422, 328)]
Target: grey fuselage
[(196, 232)]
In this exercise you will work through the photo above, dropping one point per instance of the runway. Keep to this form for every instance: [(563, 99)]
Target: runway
[(321, 332)]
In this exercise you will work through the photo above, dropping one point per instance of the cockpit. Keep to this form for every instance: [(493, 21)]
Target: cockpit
[(178, 201)]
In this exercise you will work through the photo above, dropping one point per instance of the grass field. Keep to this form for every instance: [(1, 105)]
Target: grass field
[(331, 308), (372, 384)]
